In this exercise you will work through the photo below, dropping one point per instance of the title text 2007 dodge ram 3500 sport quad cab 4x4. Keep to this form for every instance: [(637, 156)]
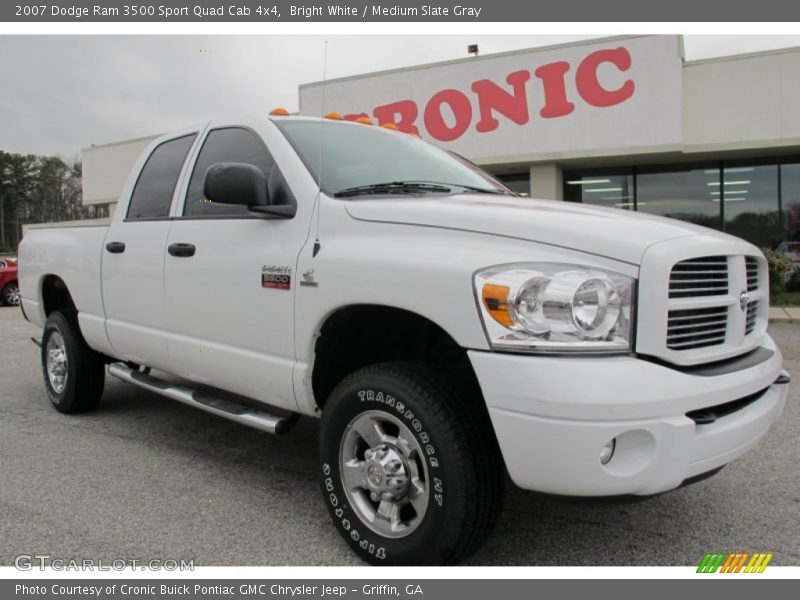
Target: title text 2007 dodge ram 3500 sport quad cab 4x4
[(443, 329)]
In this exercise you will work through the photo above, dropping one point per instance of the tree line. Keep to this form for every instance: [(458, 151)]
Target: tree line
[(39, 189)]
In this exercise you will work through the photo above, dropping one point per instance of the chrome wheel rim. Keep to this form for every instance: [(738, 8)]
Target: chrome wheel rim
[(57, 366), (384, 474), (12, 295)]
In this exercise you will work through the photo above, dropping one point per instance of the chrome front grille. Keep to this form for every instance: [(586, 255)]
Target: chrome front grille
[(701, 300), (699, 277), (696, 328), (713, 301), (751, 265), (752, 317)]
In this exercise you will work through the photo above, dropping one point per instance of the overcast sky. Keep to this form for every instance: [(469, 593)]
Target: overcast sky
[(59, 94)]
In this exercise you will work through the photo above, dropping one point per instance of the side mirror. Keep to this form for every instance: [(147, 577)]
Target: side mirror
[(236, 183), (244, 185)]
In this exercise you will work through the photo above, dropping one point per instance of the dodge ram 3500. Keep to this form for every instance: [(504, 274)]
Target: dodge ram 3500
[(444, 330)]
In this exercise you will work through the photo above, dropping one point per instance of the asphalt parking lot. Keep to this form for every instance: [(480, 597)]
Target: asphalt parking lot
[(144, 477)]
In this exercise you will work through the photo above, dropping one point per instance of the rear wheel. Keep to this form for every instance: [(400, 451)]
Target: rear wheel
[(74, 374), (10, 294), (411, 473)]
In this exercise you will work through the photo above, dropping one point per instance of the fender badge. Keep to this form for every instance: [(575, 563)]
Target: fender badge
[(276, 277), (308, 279)]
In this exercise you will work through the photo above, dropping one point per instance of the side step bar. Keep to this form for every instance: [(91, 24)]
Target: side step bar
[(232, 411)]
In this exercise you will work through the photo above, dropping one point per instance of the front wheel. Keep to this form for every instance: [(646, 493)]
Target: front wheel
[(10, 294), (74, 374), (411, 472)]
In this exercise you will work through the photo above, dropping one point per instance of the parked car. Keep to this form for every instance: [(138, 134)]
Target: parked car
[(9, 286), (443, 329)]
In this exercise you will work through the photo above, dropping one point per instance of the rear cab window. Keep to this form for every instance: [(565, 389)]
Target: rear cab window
[(152, 194)]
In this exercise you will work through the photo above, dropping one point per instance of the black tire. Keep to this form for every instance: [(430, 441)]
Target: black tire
[(85, 368), (10, 294), (465, 473)]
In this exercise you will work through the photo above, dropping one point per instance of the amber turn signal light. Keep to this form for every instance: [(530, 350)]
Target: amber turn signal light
[(495, 299)]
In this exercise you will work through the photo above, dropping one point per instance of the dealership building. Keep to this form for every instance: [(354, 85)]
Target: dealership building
[(624, 122)]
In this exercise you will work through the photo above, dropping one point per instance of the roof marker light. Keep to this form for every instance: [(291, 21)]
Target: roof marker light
[(279, 112), (391, 126), (334, 116), (364, 120)]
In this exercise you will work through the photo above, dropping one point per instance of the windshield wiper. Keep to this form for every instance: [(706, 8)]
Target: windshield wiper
[(480, 190), (393, 187)]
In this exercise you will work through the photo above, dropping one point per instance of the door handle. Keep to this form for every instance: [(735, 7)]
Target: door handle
[(115, 247), (181, 249)]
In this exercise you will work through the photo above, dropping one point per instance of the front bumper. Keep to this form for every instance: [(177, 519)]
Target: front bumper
[(553, 415)]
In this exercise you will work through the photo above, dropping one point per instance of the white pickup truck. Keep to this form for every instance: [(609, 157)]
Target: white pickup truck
[(445, 331)]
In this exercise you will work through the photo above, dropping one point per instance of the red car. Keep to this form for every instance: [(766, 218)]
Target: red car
[(9, 287)]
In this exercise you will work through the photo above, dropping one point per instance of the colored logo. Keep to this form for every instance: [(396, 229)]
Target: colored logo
[(276, 277), (737, 562)]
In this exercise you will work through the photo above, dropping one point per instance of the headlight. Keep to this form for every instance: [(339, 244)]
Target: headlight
[(547, 307)]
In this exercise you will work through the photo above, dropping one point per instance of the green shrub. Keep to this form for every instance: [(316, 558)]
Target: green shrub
[(793, 284), (780, 270)]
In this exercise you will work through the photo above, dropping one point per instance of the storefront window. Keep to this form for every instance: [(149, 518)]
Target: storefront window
[(680, 192), (758, 200), (520, 183), (790, 202), (751, 206), (603, 187)]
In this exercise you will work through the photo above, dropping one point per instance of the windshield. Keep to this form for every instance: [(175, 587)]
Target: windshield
[(357, 157)]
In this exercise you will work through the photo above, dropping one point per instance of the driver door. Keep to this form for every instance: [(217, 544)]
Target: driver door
[(230, 327)]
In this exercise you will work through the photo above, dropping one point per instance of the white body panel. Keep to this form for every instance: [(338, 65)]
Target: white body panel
[(133, 291), (207, 317), (608, 232), (224, 329), (552, 416), (74, 254)]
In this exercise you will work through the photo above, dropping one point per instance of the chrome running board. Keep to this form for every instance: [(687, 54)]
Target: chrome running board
[(240, 413)]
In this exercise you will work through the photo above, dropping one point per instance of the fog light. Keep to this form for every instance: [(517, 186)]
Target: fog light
[(607, 452)]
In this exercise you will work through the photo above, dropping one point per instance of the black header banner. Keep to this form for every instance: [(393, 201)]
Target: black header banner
[(266, 11), (734, 588)]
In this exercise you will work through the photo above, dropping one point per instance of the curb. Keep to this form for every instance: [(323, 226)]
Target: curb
[(784, 314)]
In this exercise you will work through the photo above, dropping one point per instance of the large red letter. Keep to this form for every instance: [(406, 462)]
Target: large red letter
[(589, 87), (493, 97), (555, 91), (434, 121), (402, 113)]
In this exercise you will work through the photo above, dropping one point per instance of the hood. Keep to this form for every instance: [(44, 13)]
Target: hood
[(609, 232)]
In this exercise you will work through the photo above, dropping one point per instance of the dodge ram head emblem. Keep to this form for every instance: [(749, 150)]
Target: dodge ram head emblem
[(744, 300)]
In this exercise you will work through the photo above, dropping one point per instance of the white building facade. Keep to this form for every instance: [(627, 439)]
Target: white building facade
[(622, 122)]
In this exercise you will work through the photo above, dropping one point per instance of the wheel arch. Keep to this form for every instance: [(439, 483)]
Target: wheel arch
[(55, 295), (358, 335)]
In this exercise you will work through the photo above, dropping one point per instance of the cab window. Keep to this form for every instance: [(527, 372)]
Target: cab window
[(231, 144), (152, 195)]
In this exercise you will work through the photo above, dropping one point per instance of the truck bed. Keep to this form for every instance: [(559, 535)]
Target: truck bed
[(72, 254)]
